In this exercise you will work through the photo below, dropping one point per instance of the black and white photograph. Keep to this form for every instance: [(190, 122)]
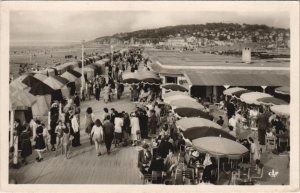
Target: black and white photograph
[(137, 93)]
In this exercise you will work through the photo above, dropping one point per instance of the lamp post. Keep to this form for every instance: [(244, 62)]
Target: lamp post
[(264, 88), (82, 66)]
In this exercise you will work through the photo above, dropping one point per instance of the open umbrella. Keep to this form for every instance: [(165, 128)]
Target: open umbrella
[(229, 91), (281, 110), (169, 99), (174, 87), (192, 112), (252, 97), (130, 78), (190, 122), (193, 128), (205, 131), (238, 94), (272, 101), (220, 147), (184, 102), (148, 77), (172, 93), (285, 90)]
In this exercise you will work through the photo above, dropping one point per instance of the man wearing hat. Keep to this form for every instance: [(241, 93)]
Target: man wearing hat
[(144, 158)]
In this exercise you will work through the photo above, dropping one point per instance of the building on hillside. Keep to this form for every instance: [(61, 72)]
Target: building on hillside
[(176, 42)]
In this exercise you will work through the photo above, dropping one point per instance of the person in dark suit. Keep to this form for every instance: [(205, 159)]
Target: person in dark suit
[(262, 125), (157, 167), (143, 119), (144, 158), (108, 131), (230, 110), (164, 147), (210, 171)]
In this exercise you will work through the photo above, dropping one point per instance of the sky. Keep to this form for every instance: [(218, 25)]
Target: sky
[(73, 26)]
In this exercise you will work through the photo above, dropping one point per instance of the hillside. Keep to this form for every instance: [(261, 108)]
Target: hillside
[(211, 31)]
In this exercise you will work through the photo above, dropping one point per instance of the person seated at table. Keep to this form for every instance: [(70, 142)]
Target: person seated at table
[(210, 171), (180, 144), (220, 121), (255, 154), (169, 163), (156, 167), (165, 131), (164, 147), (195, 159), (144, 158), (278, 125), (232, 131), (269, 133)]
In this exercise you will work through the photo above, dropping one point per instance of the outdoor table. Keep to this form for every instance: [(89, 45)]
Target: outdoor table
[(282, 138), (196, 168), (244, 172)]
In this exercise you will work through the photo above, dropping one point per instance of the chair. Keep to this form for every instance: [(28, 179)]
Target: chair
[(187, 174), (147, 179), (258, 176), (157, 177), (270, 143)]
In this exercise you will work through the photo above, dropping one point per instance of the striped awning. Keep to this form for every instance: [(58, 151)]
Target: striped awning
[(237, 79)]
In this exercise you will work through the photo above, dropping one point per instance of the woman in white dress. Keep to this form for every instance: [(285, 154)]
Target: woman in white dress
[(135, 128), (97, 135)]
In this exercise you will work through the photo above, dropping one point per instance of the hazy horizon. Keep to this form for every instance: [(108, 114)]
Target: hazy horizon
[(72, 27)]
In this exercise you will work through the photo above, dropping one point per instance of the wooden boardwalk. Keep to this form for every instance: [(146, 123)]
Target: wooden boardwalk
[(84, 167)]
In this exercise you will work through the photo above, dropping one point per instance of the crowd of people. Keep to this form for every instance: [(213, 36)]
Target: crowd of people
[(151, 125)]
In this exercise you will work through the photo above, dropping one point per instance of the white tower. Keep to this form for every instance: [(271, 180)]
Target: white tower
[(246, 55)]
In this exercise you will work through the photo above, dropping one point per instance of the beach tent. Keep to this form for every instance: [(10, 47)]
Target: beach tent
[(75, 73), (88, 71), (59, 84), (20, 104), (41, 108), (66, 66), (17, 85), (30, 81), (40, 76), (72, 78)]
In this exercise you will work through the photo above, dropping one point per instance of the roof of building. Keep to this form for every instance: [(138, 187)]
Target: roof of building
[(176, 58), (214, 70)]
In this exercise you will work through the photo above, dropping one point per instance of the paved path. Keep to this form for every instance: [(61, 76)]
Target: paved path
[(120, 167)]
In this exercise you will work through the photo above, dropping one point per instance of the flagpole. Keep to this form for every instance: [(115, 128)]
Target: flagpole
[(82, 66)]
